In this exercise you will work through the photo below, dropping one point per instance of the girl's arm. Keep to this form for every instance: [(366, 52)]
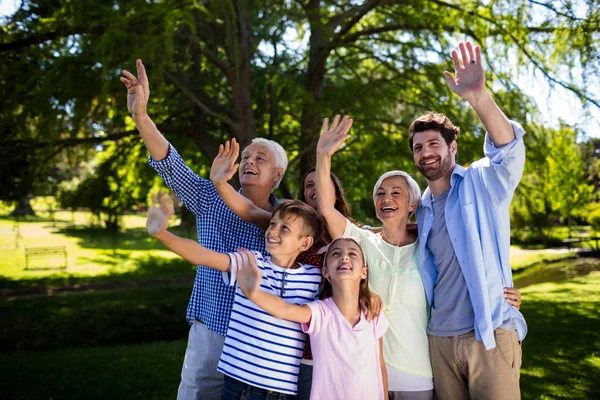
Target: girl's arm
[(249, 278), (190, 250), (223, 168), (384, 374), (330, 141)]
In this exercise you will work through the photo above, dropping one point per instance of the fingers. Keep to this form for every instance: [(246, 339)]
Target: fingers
[(450, 79), (129, 76), (166, 205), (463, 52), (126, 82), (142, 76), (335, 122), (477, 55), (455, 60), (235, 148), (325, 126), (471, 52)]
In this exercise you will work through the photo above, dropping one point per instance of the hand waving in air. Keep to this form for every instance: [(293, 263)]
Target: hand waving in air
[(224, 165), (158, 217), (138, 89), (248, 274), (332, 137), (468, 79)]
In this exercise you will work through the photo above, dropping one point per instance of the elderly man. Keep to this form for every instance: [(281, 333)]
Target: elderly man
[(262, 167), (474, 334)]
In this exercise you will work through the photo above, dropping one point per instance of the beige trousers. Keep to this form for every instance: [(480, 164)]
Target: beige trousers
[(464, 369)]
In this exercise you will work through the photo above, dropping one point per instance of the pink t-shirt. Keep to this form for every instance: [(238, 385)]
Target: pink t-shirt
[(346, 358)]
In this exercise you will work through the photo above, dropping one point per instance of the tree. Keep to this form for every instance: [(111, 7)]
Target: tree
[(270, 68)]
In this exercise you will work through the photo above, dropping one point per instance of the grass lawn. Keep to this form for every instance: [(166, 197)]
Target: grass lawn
[(143, 371), (561, 354), (93, 253), (562, 350)]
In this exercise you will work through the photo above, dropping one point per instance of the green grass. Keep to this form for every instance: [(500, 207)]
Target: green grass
[(143, 371), (93, 253), (562, 350), (93, 318), (520, 260)]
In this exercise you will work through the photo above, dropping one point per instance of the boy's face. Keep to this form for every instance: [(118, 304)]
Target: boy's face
[(285, 236)]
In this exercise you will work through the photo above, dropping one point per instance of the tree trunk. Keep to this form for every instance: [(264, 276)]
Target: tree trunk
[(311, 111), (23, 207)]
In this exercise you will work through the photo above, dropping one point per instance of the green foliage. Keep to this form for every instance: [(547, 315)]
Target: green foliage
[(118, 182), (594, 218), (554, 181)]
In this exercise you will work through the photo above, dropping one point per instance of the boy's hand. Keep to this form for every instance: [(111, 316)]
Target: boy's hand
[(373, 307), (224, 165), (138, 89), (333, 137), (158, 217), (248, 274)]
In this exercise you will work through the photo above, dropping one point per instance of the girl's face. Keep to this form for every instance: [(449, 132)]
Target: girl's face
[(345, 261), (310, 193)]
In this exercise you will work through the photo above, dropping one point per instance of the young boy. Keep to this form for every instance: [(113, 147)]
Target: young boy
[(261, 353)]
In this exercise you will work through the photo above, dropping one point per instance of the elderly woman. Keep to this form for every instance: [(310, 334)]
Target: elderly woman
[(393, 259)]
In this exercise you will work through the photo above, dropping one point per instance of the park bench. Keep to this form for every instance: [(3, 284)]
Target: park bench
[(52, 252), (591, 241)]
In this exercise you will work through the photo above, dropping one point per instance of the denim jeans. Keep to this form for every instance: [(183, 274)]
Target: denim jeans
[(237, 390)]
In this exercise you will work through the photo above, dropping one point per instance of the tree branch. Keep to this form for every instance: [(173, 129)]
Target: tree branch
[(44, 37), (195, 100)]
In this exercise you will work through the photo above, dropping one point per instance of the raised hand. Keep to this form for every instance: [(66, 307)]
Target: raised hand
[(224, 165), (158, 217), (248, 274), (138, 89), (469, 79), (333, 136)]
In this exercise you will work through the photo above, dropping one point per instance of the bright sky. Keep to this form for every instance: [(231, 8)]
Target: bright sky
[(554, 104)]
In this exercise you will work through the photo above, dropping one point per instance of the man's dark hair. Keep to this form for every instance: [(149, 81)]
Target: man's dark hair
[(312, 221), (435, 122)]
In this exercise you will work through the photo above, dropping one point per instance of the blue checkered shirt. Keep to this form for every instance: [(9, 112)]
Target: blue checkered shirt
[(219, 229)]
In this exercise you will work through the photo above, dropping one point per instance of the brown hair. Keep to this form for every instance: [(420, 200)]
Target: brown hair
[(341, 204), (436, 122), (312, 221), (364, 295)]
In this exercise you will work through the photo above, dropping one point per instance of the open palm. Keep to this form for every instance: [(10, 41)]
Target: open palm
[(138, 89), (224, 165), (469, 77), (332, 137), (158, 217)]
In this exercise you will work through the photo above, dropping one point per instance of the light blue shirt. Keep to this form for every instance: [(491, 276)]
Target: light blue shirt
[(478, 224)]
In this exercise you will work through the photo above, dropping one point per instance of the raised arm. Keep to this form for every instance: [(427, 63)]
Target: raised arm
[(469, 83), (330, 141), (249, 278), (190, 250), (138, 92), (223, 168)]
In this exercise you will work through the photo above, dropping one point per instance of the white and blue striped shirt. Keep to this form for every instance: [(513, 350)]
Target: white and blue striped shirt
[(261, 350), (219, 229)]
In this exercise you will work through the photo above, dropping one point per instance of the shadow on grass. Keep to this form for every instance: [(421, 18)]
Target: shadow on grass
[(147, 267), (94, 318), (561, 354)]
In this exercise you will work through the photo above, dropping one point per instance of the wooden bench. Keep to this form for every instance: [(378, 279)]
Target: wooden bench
[(592, 242), (52, 252)]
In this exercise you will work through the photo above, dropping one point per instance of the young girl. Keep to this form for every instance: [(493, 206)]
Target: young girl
[(347, 348)]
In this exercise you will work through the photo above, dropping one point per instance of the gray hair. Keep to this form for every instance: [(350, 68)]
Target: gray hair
[(279, 156), (414, 192)]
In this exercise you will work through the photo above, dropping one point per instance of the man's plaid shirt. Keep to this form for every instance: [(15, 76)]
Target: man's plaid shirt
[(219, 229)]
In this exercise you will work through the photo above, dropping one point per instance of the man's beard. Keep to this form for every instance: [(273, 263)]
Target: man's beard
[(437, 173)]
